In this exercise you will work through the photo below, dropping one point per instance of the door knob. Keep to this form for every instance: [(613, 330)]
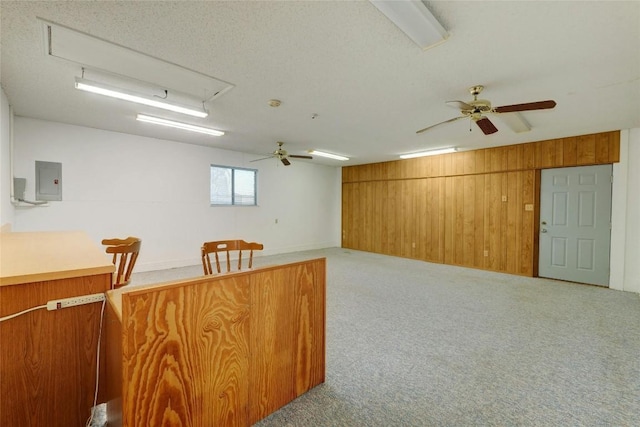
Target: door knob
[(544, 230)]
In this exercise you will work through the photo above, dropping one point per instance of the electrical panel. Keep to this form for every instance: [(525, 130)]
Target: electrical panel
[(48, 181)]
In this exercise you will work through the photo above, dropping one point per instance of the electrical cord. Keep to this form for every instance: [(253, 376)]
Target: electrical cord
[(95, 394), (11, 316)]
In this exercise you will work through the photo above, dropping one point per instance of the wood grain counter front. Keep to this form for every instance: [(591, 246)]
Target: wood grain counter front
[(221, 350), (48, 358)]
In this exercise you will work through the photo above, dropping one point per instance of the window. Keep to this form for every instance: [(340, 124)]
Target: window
[(233, 186)]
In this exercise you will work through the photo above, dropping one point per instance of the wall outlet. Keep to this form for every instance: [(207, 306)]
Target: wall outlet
[(57, 304)]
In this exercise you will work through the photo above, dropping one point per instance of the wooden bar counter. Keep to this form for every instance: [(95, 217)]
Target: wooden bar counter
[(48, 358), (220, 350)]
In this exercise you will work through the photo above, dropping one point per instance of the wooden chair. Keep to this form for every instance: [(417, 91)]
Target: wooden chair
[(125, 253), (227, 246)]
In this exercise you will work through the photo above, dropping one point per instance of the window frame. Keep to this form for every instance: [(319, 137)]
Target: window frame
[(233, 186)]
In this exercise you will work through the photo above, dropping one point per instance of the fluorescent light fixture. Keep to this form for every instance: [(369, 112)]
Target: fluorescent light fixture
[(429, 153), (126, 95), (178, 125), (415, 20), (328, 155)]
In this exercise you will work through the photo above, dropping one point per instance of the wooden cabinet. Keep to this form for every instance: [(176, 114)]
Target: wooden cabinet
[(48, 358), (223, 350)]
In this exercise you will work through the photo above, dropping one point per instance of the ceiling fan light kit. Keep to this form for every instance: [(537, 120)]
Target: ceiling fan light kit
[(178, 125), (127, 95), (477, 108), (429, 153)]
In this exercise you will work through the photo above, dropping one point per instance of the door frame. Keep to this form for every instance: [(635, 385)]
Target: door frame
[(536, 228)]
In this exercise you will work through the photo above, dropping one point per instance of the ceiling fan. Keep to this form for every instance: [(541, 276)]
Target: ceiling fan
[(282, 155), (476, 109)]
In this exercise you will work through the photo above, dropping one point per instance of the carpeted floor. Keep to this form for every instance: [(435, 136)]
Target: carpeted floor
[(411, 343)]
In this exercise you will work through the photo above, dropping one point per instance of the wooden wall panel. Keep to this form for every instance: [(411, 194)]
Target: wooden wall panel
[(222, 350), (271, 373), (480, 161), (434, 221), (467, 243), (421, 218), (177, 336), (48, 358), (586, 150), (569, 151), (528, 229), (392, 219), (602, 148), (475, 208), (350, 213), (598, 148), (407, 218), (449, 223), (551, 154), (287, 325), (614, 147), (529, 155), (513, 232), (479, 222)]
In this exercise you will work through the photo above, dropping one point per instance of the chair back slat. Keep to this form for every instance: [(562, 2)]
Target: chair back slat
[(125, 254), (226, 246)]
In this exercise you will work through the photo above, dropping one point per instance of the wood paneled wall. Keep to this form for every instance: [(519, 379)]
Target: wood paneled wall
[(473, 208)]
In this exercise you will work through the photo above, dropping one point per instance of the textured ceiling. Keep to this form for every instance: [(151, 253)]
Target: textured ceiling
[(369, 85)]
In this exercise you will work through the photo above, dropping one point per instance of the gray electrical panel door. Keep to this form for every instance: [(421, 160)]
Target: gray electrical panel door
[(48, 181)]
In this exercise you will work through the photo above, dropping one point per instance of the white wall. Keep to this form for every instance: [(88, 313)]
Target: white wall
[(625, 233), (6, 208), (632, 249), (116, 185)]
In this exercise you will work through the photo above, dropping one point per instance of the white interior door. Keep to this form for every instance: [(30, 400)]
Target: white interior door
[(575, 224)]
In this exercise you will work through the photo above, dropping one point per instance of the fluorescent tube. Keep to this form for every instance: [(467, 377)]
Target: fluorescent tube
[(328, 155), (178, 125), (429, 153), (126, 95)]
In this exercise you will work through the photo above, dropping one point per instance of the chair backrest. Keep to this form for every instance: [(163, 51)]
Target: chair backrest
[(125, 253), (227, 246)]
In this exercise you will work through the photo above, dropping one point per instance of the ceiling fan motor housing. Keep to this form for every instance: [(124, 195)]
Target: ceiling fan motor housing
[(479, 106)]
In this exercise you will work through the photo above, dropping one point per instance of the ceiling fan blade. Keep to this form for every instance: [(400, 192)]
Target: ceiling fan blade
[(486, 126), (540, 105), (285, 161), (295, 156), (441, 123), (459, 105), (264, 158)]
